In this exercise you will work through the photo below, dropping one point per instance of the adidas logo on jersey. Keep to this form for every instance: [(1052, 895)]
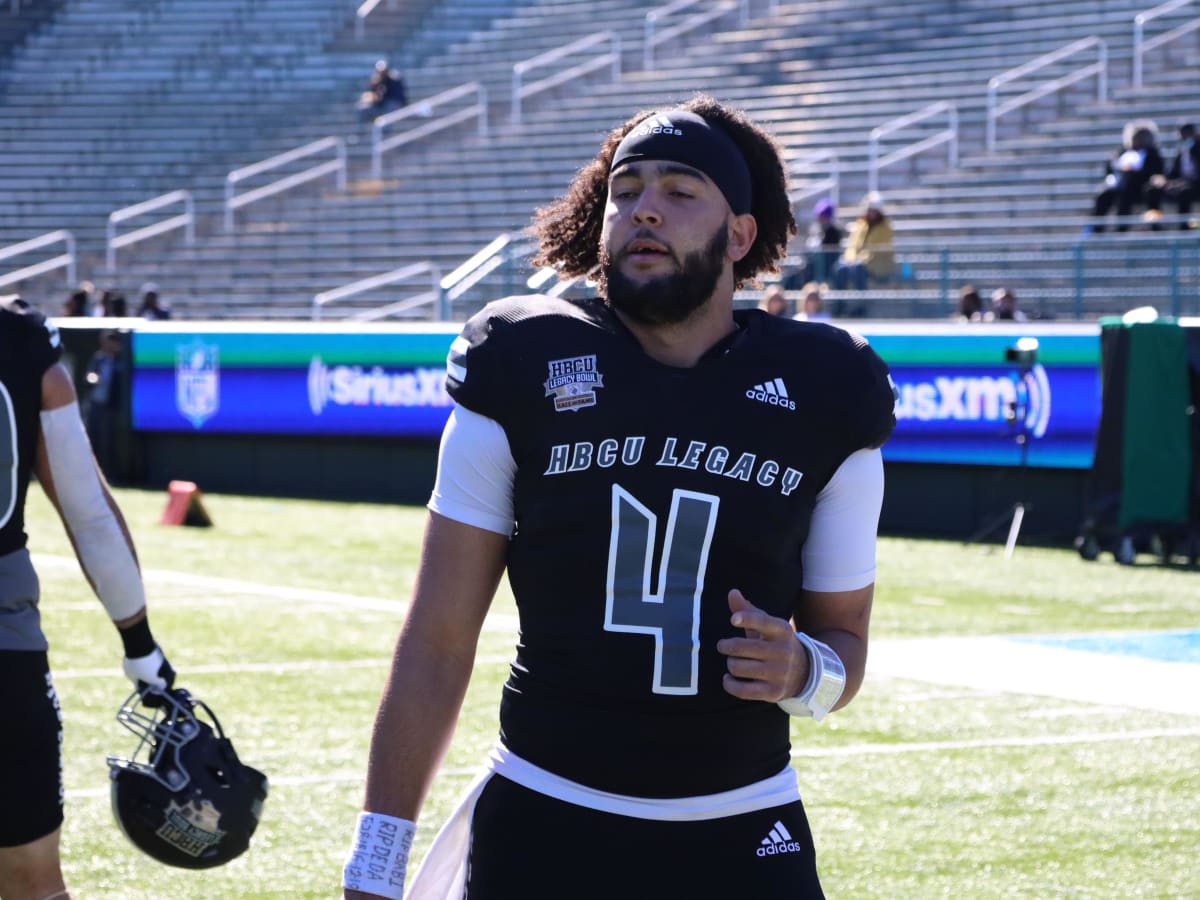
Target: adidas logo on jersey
[(772, 392), (778, 841)]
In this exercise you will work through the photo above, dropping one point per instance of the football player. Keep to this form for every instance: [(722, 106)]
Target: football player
[(41, 431), (685, 498)]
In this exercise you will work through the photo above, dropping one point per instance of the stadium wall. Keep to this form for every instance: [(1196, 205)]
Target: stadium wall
[(353, 412)]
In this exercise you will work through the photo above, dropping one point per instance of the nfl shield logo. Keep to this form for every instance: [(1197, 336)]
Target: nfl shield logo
[(197, 381)]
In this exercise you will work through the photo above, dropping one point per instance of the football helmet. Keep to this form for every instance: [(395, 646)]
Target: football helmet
[(183, 797)]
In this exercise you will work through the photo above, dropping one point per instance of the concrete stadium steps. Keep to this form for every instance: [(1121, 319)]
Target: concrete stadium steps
[(202, 120), (821, 74)]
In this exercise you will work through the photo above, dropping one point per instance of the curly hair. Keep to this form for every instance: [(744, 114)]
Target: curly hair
[(568, 230)]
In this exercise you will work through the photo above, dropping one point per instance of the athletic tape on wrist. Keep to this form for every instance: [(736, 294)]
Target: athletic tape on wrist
[(137, 639), (378, 860), (826, 681)]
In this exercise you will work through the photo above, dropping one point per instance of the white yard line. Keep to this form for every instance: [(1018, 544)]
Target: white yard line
[(930, 747), (1042, 740), (234, 586)]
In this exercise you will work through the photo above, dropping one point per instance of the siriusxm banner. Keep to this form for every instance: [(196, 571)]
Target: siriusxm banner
[(960, 399), (377, 380)]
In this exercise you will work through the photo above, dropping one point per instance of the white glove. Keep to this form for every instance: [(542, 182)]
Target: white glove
[(150, 674)]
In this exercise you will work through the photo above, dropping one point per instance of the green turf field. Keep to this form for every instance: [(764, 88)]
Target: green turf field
[(282, 616)]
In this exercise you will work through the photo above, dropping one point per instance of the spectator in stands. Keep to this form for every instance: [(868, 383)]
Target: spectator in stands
[(868, 256), (104, 375), (813, 304), (970, 304), (1129, 177), (1004, 307), (823, 246), (113, 303), (385, 91), (152, 307), (78, 303), (774, 300), (1183, 177)]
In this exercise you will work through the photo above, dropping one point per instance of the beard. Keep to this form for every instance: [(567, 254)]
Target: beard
[(672, 298)]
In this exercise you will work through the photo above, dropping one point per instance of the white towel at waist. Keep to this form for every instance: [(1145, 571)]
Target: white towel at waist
[(443, 873)]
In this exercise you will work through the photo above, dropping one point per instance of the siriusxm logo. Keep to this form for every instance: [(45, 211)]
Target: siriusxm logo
[(979, 398), (356, 386)]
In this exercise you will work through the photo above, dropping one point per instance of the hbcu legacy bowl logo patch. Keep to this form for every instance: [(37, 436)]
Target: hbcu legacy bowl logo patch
[(573, 382), (191, 827)]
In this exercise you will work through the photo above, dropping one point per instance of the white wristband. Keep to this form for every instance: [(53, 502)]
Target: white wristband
[(826, 681), (378, 860)]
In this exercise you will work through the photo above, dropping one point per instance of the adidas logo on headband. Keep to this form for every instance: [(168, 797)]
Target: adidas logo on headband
[(657, 125), (704, 147)]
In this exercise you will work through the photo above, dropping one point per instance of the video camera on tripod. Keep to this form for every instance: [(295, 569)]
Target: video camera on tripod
[(1023, 354)]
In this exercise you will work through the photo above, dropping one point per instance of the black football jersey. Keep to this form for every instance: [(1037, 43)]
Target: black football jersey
[(643, 494), (29, 345)]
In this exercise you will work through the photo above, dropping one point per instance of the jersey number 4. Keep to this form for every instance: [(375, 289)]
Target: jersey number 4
[(672, 612)]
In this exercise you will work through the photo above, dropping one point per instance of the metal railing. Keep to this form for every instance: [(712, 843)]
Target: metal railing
[(1055, 276), (503, 249), (948, 135), (544, 276), (337, 165), (611, 59), (185, 220), (424, 109), (405, 273), (62, 261), (1142, 45), (995, 109), (654, 37), (360, 16), (831, 183)]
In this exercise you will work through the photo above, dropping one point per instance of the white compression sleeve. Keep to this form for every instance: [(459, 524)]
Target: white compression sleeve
[(839, 554), (103, 549), (475, 473)]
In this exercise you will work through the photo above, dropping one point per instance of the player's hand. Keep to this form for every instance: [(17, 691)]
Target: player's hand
[(151, 674), (767, 664)]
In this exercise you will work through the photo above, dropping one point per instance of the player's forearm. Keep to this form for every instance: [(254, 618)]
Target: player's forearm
[(413, 728)]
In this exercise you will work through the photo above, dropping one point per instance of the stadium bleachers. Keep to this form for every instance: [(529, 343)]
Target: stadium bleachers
[(111, 103)]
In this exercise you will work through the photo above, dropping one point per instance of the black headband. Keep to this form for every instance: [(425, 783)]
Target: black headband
[(684, 137)]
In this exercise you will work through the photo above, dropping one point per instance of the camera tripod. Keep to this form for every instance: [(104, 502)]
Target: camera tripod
[(1016, 414)]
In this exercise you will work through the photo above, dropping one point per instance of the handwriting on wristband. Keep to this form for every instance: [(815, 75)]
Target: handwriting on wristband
[(379, 856)]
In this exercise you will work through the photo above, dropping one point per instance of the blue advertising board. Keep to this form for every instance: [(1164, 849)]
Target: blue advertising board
[(960, 400), (297, 379)]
